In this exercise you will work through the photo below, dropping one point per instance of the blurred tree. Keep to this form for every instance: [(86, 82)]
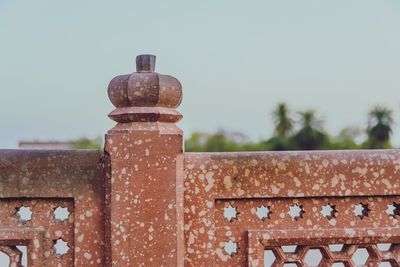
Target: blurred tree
[(277, 143), (86, 143), (196, 142), (283, 123), (218, 142), (311, 135), (283, 128), (346, 139), (379, 128), (349, 134)]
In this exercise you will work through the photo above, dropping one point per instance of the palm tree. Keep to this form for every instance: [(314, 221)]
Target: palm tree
[(380, 121), (311, 136), (283, 124)]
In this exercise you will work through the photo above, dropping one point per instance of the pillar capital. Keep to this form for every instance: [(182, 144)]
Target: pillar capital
[(145, 96)]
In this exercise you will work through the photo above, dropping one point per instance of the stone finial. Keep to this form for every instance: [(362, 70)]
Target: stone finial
[(145, 96), (145, 63)]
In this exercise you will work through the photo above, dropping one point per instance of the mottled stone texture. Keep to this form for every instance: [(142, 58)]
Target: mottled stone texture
[(146, 159), (43, 181), (361, 188)]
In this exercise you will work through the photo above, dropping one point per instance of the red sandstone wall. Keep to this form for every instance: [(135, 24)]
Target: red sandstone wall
[(246, 181), (43, 181)]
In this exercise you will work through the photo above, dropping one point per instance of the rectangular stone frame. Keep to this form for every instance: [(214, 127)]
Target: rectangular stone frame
[(77, 175), (293, 176)]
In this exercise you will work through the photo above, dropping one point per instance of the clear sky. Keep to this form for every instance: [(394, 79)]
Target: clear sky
[(235, 59)]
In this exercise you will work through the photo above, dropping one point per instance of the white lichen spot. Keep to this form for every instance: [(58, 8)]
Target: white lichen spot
[(222, 256), (80, 237), (87, 255), (387, 183), (275, 190), (297, 181), (191, 238), (36, 243), (325, 163), (316, 187), (349, 231), (361, 171), (210, 181), (334, 181), (228, 182)]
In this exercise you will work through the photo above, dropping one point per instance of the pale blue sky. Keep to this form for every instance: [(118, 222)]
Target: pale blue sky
[(235, 59)]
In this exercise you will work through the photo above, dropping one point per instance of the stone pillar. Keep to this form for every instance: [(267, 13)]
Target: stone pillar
[(145, 153)]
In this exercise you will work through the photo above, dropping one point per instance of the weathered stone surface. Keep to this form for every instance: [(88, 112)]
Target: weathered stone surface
[(145, 150), (224, 192), (42, 181)]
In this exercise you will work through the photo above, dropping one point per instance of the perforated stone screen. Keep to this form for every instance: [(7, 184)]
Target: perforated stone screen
[(336, 255)]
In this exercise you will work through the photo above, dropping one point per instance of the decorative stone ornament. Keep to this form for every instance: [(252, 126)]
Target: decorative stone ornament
[(146, 175), (145, 96)]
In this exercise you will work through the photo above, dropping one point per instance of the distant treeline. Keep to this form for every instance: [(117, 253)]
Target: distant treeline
[(305, 133)]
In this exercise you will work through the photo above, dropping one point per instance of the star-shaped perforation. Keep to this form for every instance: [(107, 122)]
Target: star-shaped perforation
[(60, 247), (230, 213), (263, 212), (296, 211), (393, 209), (61, 214), (231, 248), (329, 211), (361, 210), (24, 213)]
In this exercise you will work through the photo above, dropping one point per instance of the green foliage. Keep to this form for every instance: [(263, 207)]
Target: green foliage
[(379, 128), (218, 142), (283, 123), (305, 134), (86, 143), (310, 135)]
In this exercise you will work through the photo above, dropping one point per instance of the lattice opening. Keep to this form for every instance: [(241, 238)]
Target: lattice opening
[(336, 255), (4, 259), (338, 264), (24, 214), (60, 247), (313, 257), (360, 256), (231, 248), (290, 265), (384, 246), (269, 258), (24, 259), (290, 249), (336, 248), (61, 213), (386, 264), (230, 213)]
